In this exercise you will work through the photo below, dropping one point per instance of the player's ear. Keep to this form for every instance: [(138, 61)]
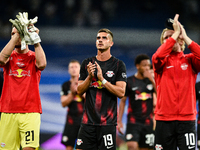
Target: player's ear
[(137, 66), (112, 43)]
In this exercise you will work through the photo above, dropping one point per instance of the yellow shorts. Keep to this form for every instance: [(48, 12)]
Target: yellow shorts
[(0, 119), (19, 129)]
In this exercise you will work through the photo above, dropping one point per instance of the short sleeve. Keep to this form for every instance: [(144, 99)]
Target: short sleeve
[(83, 70), (121, 74)]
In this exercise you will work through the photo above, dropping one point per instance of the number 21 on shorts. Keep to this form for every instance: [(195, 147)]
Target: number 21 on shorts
[(29, 137)]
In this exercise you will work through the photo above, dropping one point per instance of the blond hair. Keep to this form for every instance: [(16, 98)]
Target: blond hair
[(162, 39)]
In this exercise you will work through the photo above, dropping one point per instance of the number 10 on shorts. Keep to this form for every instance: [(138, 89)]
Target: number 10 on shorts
[(190, 139)]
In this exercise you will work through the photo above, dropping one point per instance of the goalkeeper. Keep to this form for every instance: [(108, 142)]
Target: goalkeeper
[(20, 99)]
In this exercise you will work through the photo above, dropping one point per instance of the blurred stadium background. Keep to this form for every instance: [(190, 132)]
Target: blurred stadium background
[(68, 31)]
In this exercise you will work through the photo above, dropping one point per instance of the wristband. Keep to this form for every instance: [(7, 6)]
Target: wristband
[(104, 81)]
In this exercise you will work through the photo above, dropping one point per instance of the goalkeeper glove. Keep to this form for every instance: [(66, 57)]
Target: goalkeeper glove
[(30, 35), (19, 28)]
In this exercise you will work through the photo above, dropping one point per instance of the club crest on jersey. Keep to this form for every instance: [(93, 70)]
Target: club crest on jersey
[(110, 73), (79, 141), (184, 66), (149, 87), (20, 64), (158, 147)]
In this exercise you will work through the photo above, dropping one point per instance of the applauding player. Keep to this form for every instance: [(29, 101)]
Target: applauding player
[(175, 77), (20, 99), (103, 78), (74, 102)]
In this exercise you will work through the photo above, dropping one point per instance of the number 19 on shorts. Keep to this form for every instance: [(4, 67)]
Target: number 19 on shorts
[(108, 141)]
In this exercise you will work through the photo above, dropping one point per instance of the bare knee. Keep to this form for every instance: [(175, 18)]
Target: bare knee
[(133, 145), (69, 148)]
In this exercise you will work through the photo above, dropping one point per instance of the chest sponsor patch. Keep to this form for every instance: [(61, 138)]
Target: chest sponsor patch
[(143, 96), (19, 73)]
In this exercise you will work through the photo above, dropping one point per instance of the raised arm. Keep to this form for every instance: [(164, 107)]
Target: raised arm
[(168, 40), (187, 40), (176, 26), (40, 55), (7, 50)]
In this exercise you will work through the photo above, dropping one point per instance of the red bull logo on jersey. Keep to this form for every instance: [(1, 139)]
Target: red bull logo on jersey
[(97, 84), (19, 73), (77, 98), (143, 96)]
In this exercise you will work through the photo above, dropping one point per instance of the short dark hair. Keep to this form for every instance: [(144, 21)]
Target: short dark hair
[(107, 31), (140, 58)]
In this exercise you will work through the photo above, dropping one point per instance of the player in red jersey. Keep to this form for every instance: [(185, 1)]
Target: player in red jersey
[(175, 77), (20, 100), (197, 88)]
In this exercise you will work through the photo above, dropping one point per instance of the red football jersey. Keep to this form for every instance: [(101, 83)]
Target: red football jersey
[(175, 76), (20, 92)]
